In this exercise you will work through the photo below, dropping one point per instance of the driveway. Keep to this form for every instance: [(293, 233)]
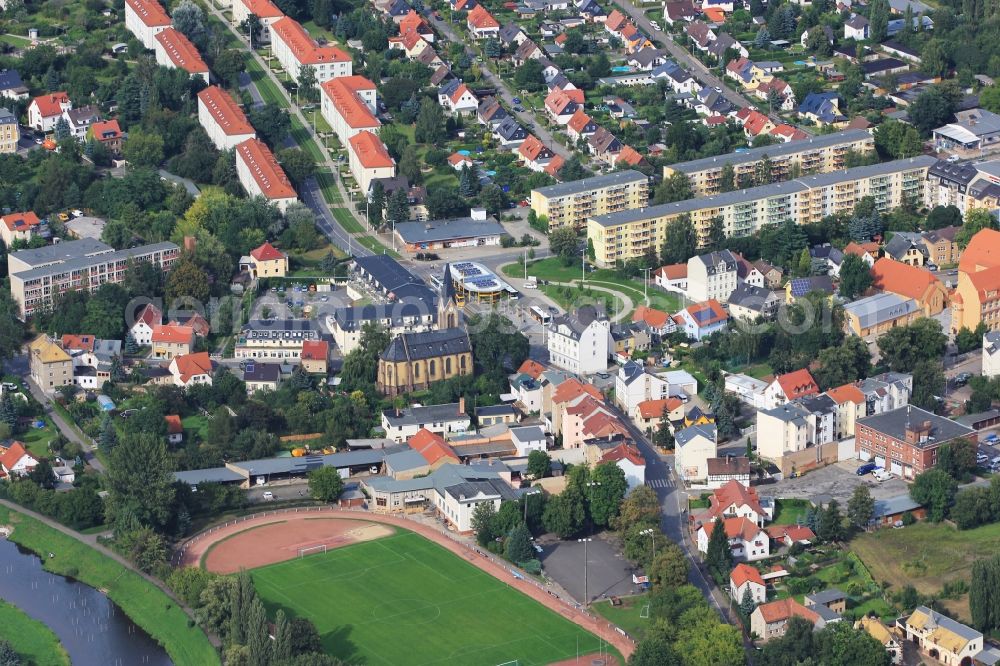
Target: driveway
[(607, 572)]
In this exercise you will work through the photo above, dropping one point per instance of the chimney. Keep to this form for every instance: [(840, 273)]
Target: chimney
[(461, 405), (189, 243)]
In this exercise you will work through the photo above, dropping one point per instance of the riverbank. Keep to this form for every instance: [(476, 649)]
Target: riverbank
[(144, 603), (31, 639)]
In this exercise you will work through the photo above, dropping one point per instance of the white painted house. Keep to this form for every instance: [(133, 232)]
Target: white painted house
[(145, 19), (745, 577), (634, 385), (712, 275), (693, 447), (580, 342)]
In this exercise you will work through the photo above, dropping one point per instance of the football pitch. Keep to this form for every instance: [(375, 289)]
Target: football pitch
[(404, 600)]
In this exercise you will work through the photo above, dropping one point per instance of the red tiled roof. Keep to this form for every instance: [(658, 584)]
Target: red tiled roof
[(413, 22), (181, 51), (226, 113), (267, 252), (756, 122), (458, 158), (370, 151), (105, 130), (560, 38), (615, 20), (797, 384), (578, 121), (903, 279), (575, 94), (586, 407), (197, 322), (792, 133), (982, 252), (794, 532), (431, 446), (572, 389), (149, 12), (315, 350), (744, 573), (784, 609), (84, 342), (173, 334), (554, 165), (21, 221), (651, 316), (859, 249), (150, 315), (653, 409), (262, 9), (533, 148), (264, 168), (302, 46), (624, 452), (718, 312), (531, 368), (343, 93), (602, 424), (50, 105), (12, 455), (630, 156), (557, 101), (847, 393), (734, 493), (481, 19), (714, 14), (457, 93), (742, 528), (673, 271), (174, 425), (189, 365)]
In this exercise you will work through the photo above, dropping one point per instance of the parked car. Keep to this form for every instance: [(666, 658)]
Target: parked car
[(991, 439), (867, 468), (268, 495), (881, 475)]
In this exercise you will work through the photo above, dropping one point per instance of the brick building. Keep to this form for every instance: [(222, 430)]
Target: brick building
[(905, 441)]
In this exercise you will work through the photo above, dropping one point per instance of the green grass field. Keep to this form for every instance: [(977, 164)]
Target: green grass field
[(304, 138), (144, 603), (404, 600), (30, 638), (790, 511)]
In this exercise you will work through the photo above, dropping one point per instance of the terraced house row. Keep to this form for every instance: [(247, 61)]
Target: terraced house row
[(629, 233)]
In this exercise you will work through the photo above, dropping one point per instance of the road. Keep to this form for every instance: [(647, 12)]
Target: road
[(528, 120), (85, 443)]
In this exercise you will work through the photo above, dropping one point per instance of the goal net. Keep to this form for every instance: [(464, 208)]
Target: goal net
[(312, 550)]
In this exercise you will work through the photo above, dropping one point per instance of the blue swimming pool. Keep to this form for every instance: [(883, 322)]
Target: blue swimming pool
[(621, 69)]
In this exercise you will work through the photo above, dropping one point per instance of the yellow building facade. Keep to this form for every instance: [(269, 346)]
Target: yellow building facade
[(414, 361), (570, 204)]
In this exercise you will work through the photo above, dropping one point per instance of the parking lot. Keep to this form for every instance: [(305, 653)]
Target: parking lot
[(835, 481), (608, 573)]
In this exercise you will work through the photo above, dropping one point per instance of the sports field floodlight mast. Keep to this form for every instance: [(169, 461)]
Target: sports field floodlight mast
[(652, 542), (586, 586)]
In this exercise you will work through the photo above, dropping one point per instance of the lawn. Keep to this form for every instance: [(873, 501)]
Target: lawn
[(304, 138), (197, 423), (576, 297), (144, 603), (36, 440), (268, 90), (926, 556), (30, 638), (346, 220), (790, 511), (328, 186), (404, 600), (374, 246), (627, 616)]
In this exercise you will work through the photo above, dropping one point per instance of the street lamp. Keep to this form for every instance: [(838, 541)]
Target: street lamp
[(586, 588), (526, 496), (652, 542)]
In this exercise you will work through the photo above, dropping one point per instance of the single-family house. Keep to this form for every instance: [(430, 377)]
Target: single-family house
[(746, 579), (693, 446)]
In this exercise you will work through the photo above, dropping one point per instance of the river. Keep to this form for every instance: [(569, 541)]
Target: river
[(92, 628)]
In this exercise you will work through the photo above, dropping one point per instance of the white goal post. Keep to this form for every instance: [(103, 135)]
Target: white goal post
[(312, 550)]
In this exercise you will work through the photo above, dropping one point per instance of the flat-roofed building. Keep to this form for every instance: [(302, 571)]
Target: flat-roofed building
[(223, 119), (444, 234), (266, 12), (818, 154), (624, 235), (145, 19), (261, 175), (368, 159), (176, 51), (295, 49), (348, 104), (39, 274), (571, 204)]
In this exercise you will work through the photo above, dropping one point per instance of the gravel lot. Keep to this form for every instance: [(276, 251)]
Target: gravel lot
[(833, 482)]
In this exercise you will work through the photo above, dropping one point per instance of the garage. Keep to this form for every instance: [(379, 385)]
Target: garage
[(896, 468), (865, 455), (880, 461)]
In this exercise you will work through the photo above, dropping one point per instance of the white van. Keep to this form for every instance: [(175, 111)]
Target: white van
[(882, 475)]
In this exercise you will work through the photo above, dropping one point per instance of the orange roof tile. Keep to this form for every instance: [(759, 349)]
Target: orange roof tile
[(21, 221), (557, 101), (654, 409), (13, 454), (189, 365), (181, 51), (531, 368), (172, 334), (149, 12), (575, 94), (630, 156), (560, 38), (84, 342), (480, 18), (370, 151), (615, 20), (554, 165), (224, 110), (458, 158), (652, 317), (736, 527), (315, 350), (797, 384), (267, 252), (264, 168), (344, 94), (572, 389), (413, 22), (578, 121), (673, 271), (174, 425), (50, 105), (431, 446), (586, 407), (784, 609), (903, 279), (744, 573), (982, 252), (149, 315), (734, 493), (603, 424), (624, 452), (712, 305), (302, 46), (105, 130), (859, 249), (533, 148), (714, 14), (262, 9), (847, 393)]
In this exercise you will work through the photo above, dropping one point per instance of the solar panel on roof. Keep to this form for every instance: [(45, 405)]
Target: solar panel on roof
[(701, 316)]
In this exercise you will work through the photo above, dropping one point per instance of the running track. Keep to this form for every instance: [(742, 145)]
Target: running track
[(199, 544)]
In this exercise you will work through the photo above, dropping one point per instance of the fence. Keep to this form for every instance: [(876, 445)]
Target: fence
[(515, 572)]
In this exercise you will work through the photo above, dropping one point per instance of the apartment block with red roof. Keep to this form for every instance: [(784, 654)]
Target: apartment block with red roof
[(295, 49), (223, 119), (348, 104), (977, 296), (176, 51), (369, 159), (145, 19), (265, 10), (46, 110), (172, 340), (18, 226), (315, 356), (262, 176)]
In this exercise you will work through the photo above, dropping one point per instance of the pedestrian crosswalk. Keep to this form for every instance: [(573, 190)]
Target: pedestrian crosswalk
[(658, 483)]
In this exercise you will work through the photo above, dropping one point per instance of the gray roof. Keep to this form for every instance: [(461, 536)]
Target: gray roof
[(991, 342), (405, 460), (301, 465), (264, 329), (577, 322), (210, 475), (495, 410), (894, 505), (446, 476), (968, 633), (429, 344), (791, 412), (6, 117), (880, 308), (82, 262), (901, 243), (396, 312), (596, 182), (957, 172), (261, 372), (713, 259), (488, 487), (826, 596), (971, 419), (894, 424), (751, 297), (685, 435), (65, 251), (386, 271), (631, 371), (418, 416), (527, 433), (448, 230)]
